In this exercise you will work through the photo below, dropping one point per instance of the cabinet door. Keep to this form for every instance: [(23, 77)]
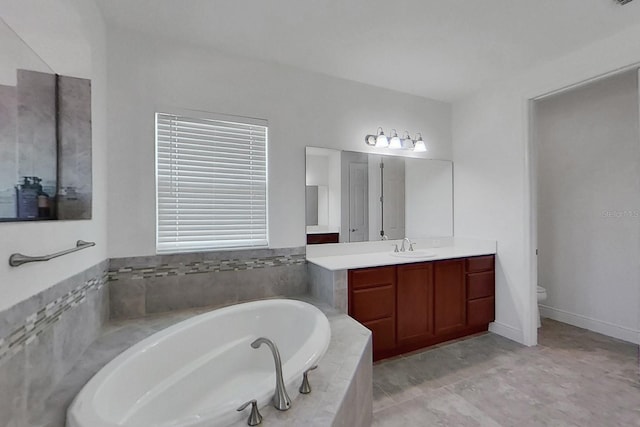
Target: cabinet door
[(450, 296), (415, 302), (383, 336)]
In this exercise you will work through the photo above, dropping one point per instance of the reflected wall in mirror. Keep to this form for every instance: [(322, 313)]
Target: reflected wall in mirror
[(45, 138), (365, 197)]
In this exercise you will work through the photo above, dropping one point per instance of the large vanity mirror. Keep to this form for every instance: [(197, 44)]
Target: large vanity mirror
[(45, 137), (356, 197)]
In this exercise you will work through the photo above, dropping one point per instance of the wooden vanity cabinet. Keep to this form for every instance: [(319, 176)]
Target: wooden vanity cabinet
[(412, 306), (372, 301)]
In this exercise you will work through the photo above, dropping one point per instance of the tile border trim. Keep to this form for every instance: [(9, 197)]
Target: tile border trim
[(204, 266), (40, 321)]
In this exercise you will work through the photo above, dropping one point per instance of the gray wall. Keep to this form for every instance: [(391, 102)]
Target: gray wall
[(588, 149)]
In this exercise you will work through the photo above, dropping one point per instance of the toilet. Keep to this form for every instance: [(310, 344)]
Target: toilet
[(542, 296)]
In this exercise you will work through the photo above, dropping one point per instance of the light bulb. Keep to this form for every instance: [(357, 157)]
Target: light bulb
[(419, 145), (395, 142), (407, 142), (381, 139)]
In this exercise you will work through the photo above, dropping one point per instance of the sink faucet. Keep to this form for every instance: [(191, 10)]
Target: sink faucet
[(406, 239), (281, 400)]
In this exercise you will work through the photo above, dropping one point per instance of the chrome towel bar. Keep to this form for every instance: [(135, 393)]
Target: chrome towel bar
[(16, 260)]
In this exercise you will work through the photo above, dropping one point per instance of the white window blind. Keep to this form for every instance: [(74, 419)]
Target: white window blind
[(211, 183)]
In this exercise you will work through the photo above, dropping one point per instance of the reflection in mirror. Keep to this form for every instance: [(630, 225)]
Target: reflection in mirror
[(45, 137), (372, 196), (312, 205), (323, 195)]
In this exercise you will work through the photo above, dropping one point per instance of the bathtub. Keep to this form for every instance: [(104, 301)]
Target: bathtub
[(197, 372)]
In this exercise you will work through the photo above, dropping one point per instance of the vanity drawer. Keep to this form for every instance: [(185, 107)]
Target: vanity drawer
[(372, 303), (481, 311), (371, 277), (480, 285), (480, 263)]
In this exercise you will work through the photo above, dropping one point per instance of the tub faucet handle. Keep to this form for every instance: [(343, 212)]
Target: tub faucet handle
[(254, 418), (305, 387)]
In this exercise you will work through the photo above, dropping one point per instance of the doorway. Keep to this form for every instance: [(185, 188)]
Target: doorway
[(586, 185)]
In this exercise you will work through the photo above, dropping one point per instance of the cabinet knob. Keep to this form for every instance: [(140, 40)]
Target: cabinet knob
[(354, 229)]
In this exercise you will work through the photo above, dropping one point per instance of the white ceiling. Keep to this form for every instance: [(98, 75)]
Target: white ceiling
[(442, 49)]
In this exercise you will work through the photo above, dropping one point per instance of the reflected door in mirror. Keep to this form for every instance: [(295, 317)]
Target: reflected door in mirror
[(392, 196), (358, 202)]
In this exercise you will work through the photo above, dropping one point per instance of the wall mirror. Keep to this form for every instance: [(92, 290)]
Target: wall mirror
[(45, 137), (356, 197)]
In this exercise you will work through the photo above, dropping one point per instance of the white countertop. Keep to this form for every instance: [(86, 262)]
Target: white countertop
[(345, 256)]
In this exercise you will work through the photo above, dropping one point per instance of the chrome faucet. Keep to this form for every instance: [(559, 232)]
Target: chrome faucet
[(281, 400), (406, 239)]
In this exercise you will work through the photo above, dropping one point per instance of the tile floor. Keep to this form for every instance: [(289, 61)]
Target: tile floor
[(574, 377)]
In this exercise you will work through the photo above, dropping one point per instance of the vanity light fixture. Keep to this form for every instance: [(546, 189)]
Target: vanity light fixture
[(381, 139), (395, 142), (419, 144)]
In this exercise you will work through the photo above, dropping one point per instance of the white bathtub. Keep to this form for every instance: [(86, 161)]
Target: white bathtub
[(197, 372)]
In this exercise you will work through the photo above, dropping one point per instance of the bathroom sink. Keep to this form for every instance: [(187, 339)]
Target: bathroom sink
[(414, 254)]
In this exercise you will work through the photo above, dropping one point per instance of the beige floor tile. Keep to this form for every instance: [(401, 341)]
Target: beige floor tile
[(574, 377)]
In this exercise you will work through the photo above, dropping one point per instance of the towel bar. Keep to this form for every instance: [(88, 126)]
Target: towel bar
[(16, 260)]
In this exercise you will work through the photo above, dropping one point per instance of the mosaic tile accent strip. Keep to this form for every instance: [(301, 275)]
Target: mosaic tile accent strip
[(205, 266), (47, 316)]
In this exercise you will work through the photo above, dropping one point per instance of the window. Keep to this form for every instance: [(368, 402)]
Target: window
[(211, 183)]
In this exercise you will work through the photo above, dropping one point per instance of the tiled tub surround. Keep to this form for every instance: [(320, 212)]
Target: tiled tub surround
[(341, 386), (147, 285), (43, 337), (328, 286), (329, 264)]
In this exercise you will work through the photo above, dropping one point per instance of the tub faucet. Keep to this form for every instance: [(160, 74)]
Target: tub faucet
[(410, 248), (281, 400)]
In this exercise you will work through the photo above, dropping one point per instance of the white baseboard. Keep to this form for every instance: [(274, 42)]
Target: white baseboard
[(595, 325), (514, 334)]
